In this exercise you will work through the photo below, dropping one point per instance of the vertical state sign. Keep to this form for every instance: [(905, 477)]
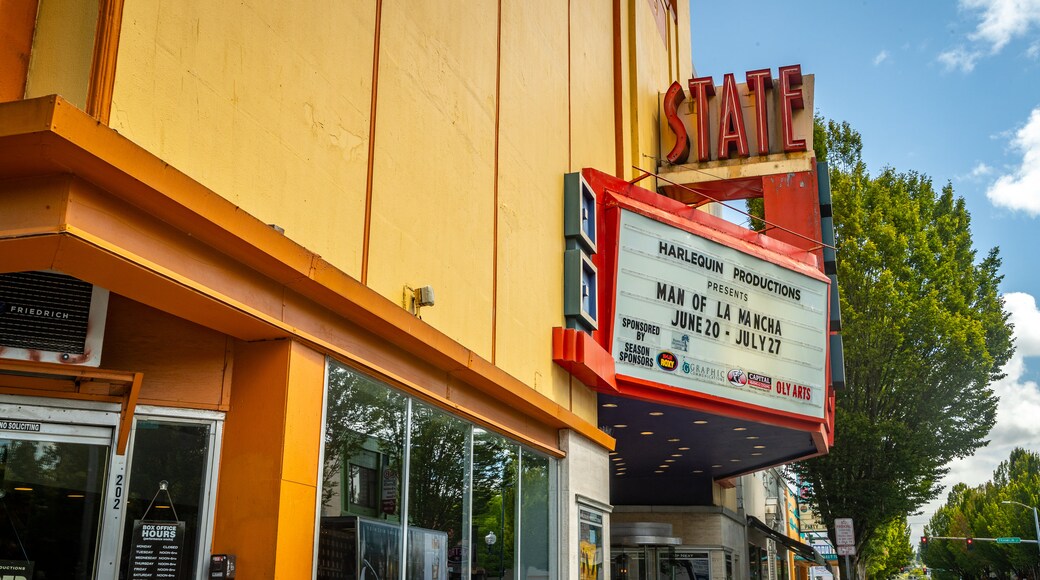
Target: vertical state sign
[(699, 315)]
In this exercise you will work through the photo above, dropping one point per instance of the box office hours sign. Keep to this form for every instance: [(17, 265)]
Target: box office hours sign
[(698, 315), (155, 550)]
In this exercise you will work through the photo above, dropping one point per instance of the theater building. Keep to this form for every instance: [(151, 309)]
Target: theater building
[(387, 289)]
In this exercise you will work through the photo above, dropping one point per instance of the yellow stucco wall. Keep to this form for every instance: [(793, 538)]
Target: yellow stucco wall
[(533, 157), (63, 44), (433, 190), (267, 103), (270, 105), (592, 85)]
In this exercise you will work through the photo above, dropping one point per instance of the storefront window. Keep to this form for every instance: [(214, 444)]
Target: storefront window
[(177, 453), (478, 505), (361, 476), (756, 559), (364, 448), (534, 516), (495, 463), (50, 506), (436, 489)]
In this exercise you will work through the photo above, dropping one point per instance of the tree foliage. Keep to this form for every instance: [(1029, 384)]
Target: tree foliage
[(978, 512), (890, 551), (925, 333)]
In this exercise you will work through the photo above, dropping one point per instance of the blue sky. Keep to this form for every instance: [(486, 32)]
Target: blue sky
[(949, 89)]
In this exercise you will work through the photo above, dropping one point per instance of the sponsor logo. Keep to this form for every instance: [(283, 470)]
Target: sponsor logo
[(737, 378), (667, 361), (760, 381), (681, 342), (705, 372)]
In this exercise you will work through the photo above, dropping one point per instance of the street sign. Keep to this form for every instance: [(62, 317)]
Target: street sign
[(846, 550), (1009, 540), (843, 532)]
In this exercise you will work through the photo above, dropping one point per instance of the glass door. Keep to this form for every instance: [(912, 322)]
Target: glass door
[(178, 447), (52, 495), (631, 563)]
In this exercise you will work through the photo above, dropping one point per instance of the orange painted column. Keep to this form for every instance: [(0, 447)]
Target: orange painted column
[(266, 499), (16, 36)]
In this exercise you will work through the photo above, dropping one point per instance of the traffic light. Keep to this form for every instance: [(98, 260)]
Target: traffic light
[(970, 543)]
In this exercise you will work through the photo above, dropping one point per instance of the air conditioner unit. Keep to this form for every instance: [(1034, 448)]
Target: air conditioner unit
[(51, 317)]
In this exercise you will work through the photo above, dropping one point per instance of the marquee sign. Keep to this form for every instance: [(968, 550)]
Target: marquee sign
[(763, 116), (702, 316)]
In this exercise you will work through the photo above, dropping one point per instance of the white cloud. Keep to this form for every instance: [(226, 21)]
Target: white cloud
[(981, 169), (1033, 51), (1017, 411), (959, 59), (977, 173), (881, 57), (999, 23), (1020, 190), (1003, 20)]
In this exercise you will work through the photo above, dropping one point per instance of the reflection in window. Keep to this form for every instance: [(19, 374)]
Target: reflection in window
[(495, 462), (50, 505), (534, 515), (364, 426), (464, 488), (362, 486), (437, 474)]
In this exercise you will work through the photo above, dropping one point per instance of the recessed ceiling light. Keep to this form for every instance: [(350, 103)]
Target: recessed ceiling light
[(698, 471), (646, 432), (669, 461), (609, 405), (684, 449), (616, 459), (740, 428), (622, 469), (676, 454), (620, 463), (673, 440), (620, 426), (717, 465), (612, 453), (734, 461), (760, 446), (664, 466), (756, 454), (700, 422), (752, 437), (620, 473), (659, 471), (656, 413), (75, 495)]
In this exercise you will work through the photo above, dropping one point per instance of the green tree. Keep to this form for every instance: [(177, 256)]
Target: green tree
[(980, 512), (890, 550), (925, 333)]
